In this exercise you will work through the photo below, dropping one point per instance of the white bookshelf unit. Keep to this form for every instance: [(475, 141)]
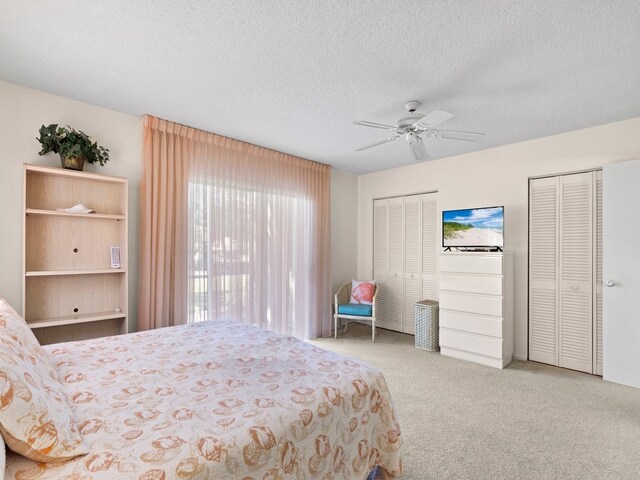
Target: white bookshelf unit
[(70, 291), (476, 307)]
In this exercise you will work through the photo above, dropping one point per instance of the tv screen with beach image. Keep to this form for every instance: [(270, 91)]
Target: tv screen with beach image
[(474, 227)]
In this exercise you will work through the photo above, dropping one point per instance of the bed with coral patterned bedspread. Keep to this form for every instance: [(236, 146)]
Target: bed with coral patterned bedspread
[(219, 400)]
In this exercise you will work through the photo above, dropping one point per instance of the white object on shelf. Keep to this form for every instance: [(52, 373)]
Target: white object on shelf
[(115, 256), (79, 208), (476, 307)]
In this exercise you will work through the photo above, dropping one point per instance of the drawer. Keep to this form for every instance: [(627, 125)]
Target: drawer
[(471, 283), (490, 326), (470, 263), (469, 342), (477, 304)]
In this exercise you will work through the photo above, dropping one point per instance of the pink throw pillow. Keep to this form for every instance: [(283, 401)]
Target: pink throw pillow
[(362, 292)]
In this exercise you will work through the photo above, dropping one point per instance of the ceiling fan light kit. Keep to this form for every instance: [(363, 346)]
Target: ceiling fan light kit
[(414, 126)]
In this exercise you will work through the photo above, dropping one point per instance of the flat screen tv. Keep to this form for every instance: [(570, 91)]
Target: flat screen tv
[(473, 227)]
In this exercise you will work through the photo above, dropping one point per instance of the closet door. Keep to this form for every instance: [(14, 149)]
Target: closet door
[(380, 258), (565, 271), (412, 260), (597, 306), (576, 273), (429, 246), (395, 278), (543, 270)]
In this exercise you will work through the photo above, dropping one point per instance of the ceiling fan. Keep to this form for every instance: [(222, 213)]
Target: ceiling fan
[(415, 125)]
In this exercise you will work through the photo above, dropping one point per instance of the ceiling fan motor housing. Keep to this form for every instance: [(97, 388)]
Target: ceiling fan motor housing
[(412, 105), (409, 120)]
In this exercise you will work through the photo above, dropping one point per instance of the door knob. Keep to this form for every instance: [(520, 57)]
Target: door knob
[(610, 283)]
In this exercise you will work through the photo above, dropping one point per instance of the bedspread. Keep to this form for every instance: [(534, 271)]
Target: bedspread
[(220, 400)]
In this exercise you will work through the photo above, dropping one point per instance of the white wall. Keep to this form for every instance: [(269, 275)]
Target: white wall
[(22, 112), (498, 176), (344, 228)]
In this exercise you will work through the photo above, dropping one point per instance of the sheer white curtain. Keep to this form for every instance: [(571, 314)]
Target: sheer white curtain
[(258, 238)]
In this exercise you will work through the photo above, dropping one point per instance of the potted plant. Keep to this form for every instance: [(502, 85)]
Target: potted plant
[(75, 147)]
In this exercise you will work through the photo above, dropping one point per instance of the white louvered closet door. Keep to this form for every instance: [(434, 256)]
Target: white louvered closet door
[(395, 279), (429, 246), (597, 287), (412, 260), (543, 270), (565, 271), (380, 259), (576, 272)]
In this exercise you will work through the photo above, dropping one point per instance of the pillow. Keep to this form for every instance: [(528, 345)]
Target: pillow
[(362, 292), (13, 326), (35, 418)]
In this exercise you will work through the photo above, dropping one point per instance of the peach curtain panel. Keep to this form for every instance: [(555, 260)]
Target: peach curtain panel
[(162, 288), (232, 231)]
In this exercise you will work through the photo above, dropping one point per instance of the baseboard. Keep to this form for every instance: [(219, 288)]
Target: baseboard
[(522, 358), (474, 357)]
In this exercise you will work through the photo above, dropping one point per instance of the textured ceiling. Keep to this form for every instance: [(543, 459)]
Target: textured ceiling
[(294, 75)]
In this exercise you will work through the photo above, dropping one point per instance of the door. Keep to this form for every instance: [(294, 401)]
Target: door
[(412, 260), (380, 259), (565, 226), (429, 247), (597, 284), (543, 270), (621, 273), (575, 325), (395, 279)]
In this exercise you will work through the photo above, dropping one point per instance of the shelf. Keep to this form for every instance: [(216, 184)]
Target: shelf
[(55, 213), (73, 319), (57, 273), (63, 172)]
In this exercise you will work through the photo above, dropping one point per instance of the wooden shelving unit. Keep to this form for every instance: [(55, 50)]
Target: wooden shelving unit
[(70, 291)]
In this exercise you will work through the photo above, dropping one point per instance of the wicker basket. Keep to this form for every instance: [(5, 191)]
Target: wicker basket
[(427, 325)]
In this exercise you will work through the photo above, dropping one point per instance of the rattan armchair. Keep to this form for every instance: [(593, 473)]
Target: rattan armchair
[(341, 299)]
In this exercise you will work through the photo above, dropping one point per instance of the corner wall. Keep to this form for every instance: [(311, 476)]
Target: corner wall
[(22, 112), (498, 176), (344, 228)]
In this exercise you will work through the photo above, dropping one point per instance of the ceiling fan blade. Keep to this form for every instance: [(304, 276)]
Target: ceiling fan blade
[(418, 150), (435, 117), (458, 135), (378, 143), (365, 123)]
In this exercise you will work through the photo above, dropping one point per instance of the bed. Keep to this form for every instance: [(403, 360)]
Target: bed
[(219, 400)]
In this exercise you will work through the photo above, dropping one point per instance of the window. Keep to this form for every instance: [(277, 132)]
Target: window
[(250, 256)]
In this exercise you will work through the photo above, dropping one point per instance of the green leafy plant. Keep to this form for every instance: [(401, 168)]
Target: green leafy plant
[(71, 143)]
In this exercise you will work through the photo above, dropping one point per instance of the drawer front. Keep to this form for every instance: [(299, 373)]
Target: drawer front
[(468, 342), (470, 263), (471, 283), (490, 326), (478, 304)]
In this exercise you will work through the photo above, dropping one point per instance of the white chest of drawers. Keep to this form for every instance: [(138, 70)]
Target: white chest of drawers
[(476, 307)]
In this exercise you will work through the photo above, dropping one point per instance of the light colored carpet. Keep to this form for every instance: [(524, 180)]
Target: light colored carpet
[(460, 420)]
